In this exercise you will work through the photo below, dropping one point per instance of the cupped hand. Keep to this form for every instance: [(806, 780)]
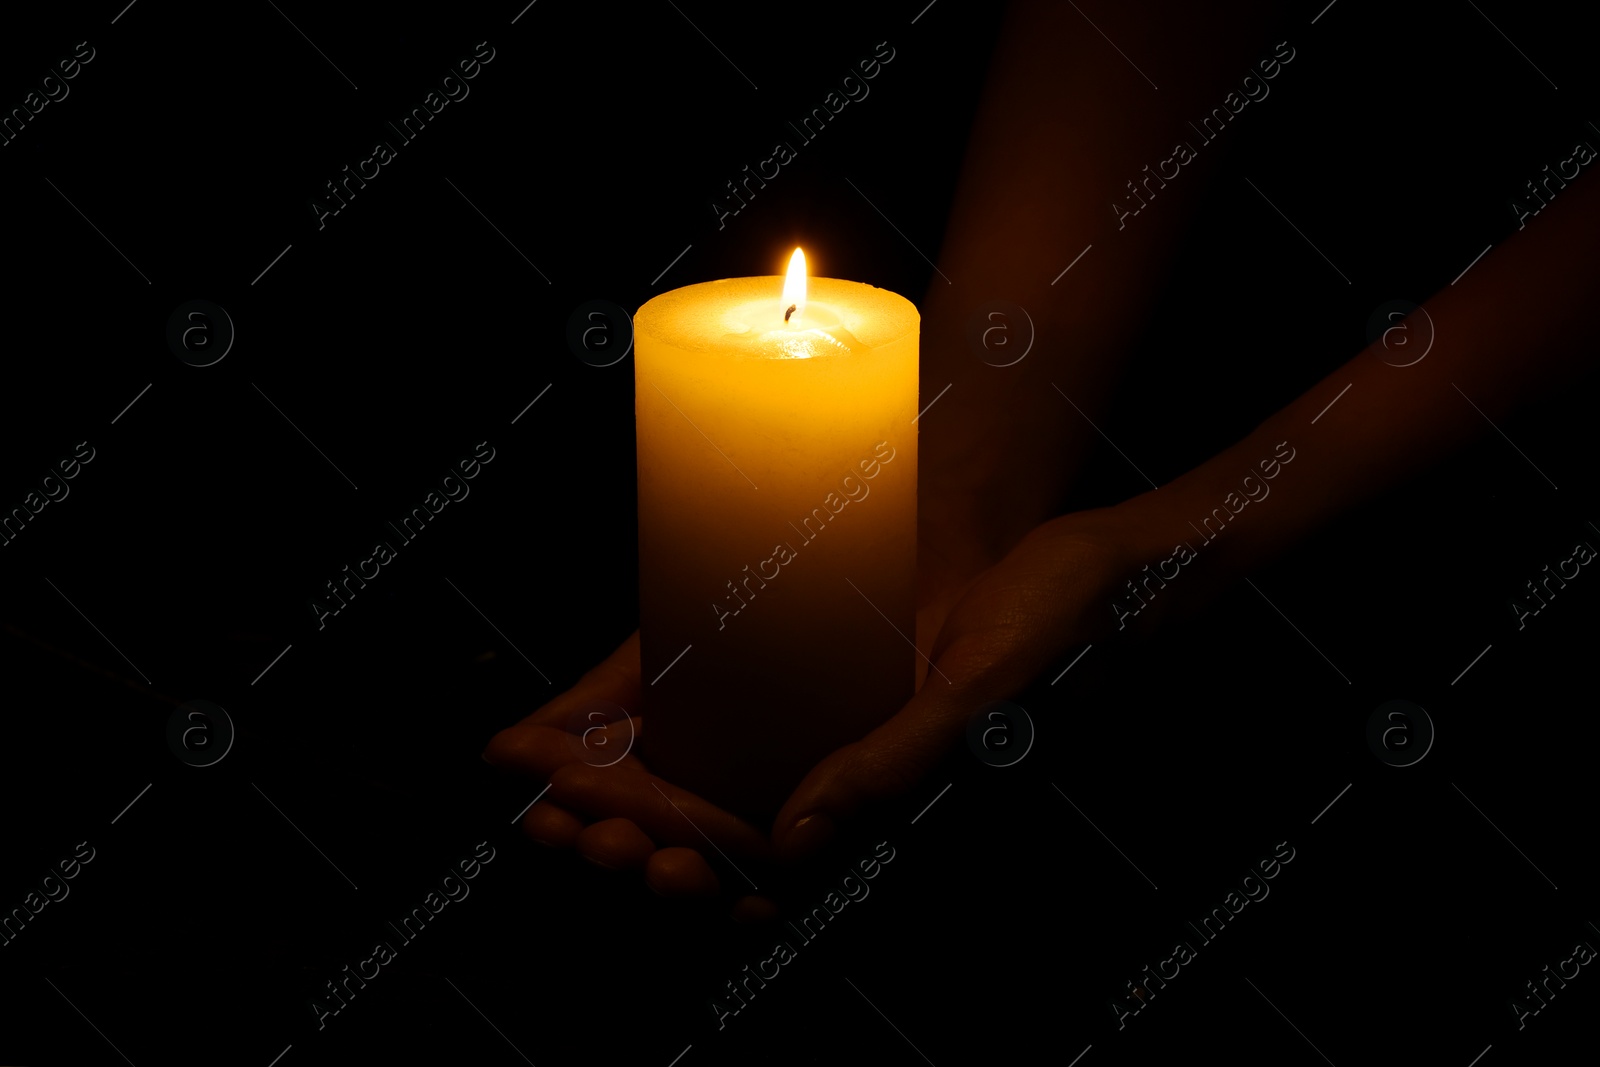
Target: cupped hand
[(996, 632), (603, 801)]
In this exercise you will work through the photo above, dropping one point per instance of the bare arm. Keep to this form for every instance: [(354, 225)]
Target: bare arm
[(1519, 323), (1065, 123)]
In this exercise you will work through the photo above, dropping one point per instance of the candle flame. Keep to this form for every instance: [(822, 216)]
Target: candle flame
[(794, 287)]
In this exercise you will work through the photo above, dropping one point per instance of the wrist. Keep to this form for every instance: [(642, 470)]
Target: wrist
[(1208, 528)]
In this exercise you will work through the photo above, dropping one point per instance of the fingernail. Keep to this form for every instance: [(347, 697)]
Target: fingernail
[(806, 838), (753, 911)]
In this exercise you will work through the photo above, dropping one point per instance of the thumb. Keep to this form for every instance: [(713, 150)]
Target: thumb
[(1003, 633), (894, 758), (612, 683)]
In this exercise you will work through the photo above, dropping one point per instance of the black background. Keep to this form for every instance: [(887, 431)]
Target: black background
[(407, 330)]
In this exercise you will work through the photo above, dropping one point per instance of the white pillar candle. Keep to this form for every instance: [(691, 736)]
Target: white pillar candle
[(777, 526)]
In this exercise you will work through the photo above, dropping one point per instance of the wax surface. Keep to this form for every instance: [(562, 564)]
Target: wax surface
[(777, 529)]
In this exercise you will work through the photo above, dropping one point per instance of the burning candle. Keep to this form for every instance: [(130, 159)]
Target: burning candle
[(777, 526)]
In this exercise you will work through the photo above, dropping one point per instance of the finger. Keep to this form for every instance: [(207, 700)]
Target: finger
[(1001, 634), (614, 680), (552, 825), (752, 909), (613, 683), (974, 669), (616, 844), (681, 872), (542, 750), (667, 814)]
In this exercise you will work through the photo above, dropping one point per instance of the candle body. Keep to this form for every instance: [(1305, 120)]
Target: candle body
[(777, 529)]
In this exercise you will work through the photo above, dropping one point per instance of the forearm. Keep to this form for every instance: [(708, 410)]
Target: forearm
[(1065, 124), (1520, 322)]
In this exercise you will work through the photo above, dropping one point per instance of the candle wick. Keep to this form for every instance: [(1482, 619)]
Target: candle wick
[(786, 314)]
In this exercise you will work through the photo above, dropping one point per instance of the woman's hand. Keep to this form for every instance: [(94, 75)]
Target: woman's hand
[(603, 801), (996, 632), (1050, 594)]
